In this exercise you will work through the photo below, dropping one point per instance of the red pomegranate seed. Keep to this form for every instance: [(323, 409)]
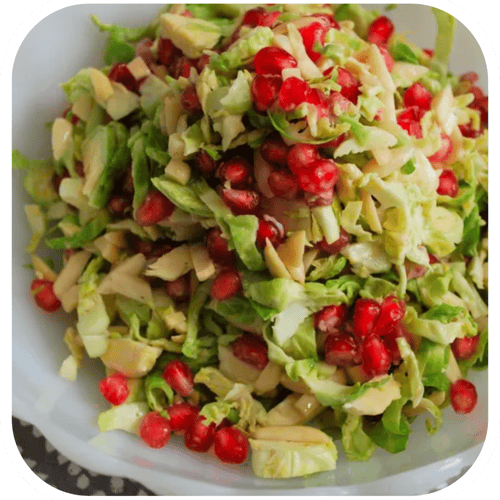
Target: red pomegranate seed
[(429, 52), (414, 270), (273, 60), (319, 100), (121, 74), (45, 297), (334, 143), (118, 205), (448, 184), (463, 396), (269, 229), (327, 19), (482, 106), (330, 318), (167, 51), (380, 30), (283, 184), (179, 376), (389, 61), (114, 388), (143, 50), (189, 99), (226, 284), (392, 312), (274, 150), (433, 259), (466, 347), (155, 430), (79, 169), (468, 131), (128, 182), (417, 95), (366, 314), (201, 62), (444, 151), (182, 415), (476, 92), (311, 34), (181, 67), (319, 200), (255, 17), (179, 289), (350, 86), (199, 437), (237, 171), (57, 179), (241, 201), (205, 163), (409, 120), (341, 350), (338, 102), (470, 77), (251, 350), (376, 357), (337, 246), (231, 445), (292, 93), (265, 91), (217, 247), (301, 156), (154, 209), (319, 176), (187, 13), (152, 250)]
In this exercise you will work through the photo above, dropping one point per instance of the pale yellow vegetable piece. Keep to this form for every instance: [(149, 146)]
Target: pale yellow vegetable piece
[(138, 68), (61, 137), (202, 263), (274, 263), (83, 107), (172, 265), (179, 171), (71, 272), (103, 89), (234, 369), (293, 433), (291, 253), (42, 270), (69, 299)]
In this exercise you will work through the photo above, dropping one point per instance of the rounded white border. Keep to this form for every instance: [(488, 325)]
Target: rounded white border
[(479, 17)]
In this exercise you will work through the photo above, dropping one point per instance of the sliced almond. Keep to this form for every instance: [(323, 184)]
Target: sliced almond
[(291, 254), (103, 89), (42, 270), (179, 171), (274, 263), (172, 265), (61, 137), (202, 263), (69, 299), (268, 379), (71, 272), (83, 107), (293, 433), (138, 68)]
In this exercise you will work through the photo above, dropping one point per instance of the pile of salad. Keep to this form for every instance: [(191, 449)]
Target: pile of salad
[(273, 230)]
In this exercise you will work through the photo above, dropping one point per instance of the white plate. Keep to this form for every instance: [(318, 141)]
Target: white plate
[(66, 412)]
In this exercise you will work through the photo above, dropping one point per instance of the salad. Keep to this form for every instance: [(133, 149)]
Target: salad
[(272, 223)]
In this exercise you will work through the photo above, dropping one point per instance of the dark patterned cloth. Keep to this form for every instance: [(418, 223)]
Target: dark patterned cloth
[(58, 471)]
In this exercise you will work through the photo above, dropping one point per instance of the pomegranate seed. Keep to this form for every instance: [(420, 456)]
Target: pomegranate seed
[(380, 30), (482, 106), (292, 93), (350, 86), (217, 247), (199, 437), (128, 182), (179, 376), (429, 52), (464, 348), (337, 100), (417, 95), (143, 50), (334, 143), (251, 350), (269, 230), (205, 163), (79, 169), (476, 92), (152, 250), (341, 350), (468, 131), (167, 51), (121, 74), (187, 13), (311, 34), (444, 151), (463, 396), (45, 297), (68, 114), (327, 19), (330, 318), (319, 100), (414, 270), (201, 62), (153, 209), (265, 90), (181, 67), (241, 201), (389, 61), (392, 312), (409, 120), (470, 77), (283, 184), (448, 184), (319, 200), (114, 388), (68, 253), (319, 176), (376, 357), (301, 156), (189, 99), (259, 17), (179, 289), (237, 171), (226, 284), (118, 205), (182, 415), (433, 259), (366, 314), (274, 150), (231, 445), (272, 60), (155, 430), (337, 246)]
